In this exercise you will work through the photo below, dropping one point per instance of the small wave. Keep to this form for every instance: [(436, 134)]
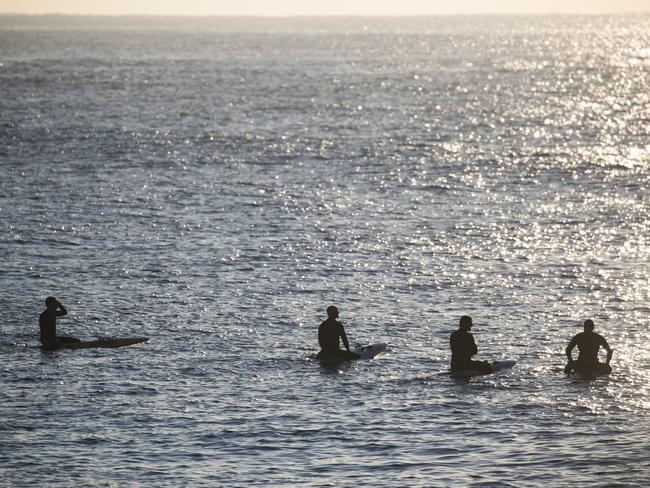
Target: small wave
[(91, 441), (60, 242)]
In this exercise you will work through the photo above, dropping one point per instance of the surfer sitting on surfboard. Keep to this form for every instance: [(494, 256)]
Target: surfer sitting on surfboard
[(329, 333), (463, 348), (47, 324), (588, 342)]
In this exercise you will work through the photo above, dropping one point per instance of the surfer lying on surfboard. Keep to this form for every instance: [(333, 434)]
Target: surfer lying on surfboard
[(463, 348), (47, 324), (588, 342), (329, 333)]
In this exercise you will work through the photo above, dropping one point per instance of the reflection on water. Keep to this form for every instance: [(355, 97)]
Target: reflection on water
[(216, 186)]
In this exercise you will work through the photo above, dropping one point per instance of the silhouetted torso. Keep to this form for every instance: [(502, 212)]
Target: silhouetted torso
[(47, 324), (329, 333), (588, 345), (463, 348)]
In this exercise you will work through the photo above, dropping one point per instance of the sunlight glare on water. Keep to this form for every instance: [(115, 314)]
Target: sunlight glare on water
[(215, 184)]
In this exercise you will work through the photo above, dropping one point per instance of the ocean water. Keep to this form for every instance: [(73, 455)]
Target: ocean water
[(216, 184)]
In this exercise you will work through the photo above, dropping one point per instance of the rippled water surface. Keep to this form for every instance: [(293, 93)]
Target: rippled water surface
[(214, 185)]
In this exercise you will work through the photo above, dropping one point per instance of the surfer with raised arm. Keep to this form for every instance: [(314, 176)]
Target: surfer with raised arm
[(329, 333), (47, 324), (463, 348), (589, 343)]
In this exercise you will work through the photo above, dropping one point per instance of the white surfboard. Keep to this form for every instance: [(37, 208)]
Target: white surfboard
[(503, 364), (497, 366), (371, 350)]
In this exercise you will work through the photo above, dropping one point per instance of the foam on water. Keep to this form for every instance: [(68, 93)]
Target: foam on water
[(216, 185)]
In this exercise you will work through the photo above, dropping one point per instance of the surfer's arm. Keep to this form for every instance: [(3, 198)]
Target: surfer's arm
[(344, 338), (609, 350), (569, 348), (62, 311)]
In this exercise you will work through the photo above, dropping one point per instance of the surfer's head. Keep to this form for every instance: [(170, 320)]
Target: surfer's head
[(332, 312), (589, 325), (465, 322), (51, 302)]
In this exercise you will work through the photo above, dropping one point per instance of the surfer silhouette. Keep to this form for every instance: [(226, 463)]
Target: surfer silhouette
[(463, 348), (329, 333), (589, 343), (47, 324)]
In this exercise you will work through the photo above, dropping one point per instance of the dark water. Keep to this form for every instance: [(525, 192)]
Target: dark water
[(216, 184)]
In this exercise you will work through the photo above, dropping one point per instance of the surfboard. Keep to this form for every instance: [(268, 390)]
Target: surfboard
[(497, 366), (371, 350), (364, 352), (106, 342)]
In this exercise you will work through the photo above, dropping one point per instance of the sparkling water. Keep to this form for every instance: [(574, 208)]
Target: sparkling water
[(216, 184)]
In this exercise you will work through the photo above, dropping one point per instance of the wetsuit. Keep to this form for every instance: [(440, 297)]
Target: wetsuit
[(329, 333), (463, 348), (589, 343), (47, 324)]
